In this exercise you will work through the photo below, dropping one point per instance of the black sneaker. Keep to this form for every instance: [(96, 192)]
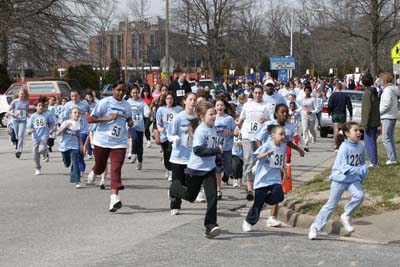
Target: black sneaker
[(18, 155), (219, 195), (102, 186), (306, 149), (212, 232), (250, 196)]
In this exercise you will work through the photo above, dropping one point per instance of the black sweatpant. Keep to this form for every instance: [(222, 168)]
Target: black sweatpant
[(166, 147), (192, 188), (178, 175)]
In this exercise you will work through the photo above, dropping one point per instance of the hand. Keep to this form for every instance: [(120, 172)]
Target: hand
[(113, 116), (301, 152), (269, 153), (221, 148)]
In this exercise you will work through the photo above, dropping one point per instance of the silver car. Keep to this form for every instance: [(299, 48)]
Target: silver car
[(326, 120)]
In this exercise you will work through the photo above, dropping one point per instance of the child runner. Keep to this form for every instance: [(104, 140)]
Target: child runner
[(40, 124), (165, 115), (84, 125), (224, 125), (70, 144), (139, 110), (237, 161), (309, 109), (145, 95), (178, 135), (52, 107), (348, 174), (201, 167), (18, 109), (268, 180), (112, 114), (262, 136), (92, 104)]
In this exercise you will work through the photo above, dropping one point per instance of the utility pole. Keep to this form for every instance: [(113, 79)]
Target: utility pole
[(167, 38), (126, 51)]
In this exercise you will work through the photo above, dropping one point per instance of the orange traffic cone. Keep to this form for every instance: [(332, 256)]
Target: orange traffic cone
[(287, 182)]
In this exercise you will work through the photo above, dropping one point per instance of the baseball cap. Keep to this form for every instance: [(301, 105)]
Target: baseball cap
[(269, 81)]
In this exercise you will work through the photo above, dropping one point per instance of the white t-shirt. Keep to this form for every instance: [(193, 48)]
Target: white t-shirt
[(251, 113)]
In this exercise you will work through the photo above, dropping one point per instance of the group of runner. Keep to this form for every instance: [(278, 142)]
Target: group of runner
[(205, 139)]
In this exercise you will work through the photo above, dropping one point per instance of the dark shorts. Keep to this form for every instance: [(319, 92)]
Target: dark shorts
[(338, 118)]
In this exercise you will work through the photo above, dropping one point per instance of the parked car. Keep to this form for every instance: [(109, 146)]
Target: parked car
[(204, 83), (41, 88), (4, 107), (73, 83), (106, 91), (326, 120)]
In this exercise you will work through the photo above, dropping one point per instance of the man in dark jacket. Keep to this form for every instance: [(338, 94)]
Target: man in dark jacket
[(180, 87), (370, 118), (337, 104)]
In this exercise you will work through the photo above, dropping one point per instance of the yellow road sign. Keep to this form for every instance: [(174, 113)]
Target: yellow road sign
[(396, 51)]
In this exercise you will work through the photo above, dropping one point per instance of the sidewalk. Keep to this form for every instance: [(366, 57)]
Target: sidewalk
[(381, 228)]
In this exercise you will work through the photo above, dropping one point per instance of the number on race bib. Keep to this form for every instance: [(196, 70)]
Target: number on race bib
[(116, 131), (39, 123), (276, 160), (170, 116), (355, 160), (180, 92), (253, 126), (137, 117)]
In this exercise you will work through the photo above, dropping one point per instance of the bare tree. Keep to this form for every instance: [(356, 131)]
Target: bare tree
[(369, 21), (209, 23), (45, 30)]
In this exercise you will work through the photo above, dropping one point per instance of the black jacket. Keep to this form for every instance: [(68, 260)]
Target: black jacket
[(180, 90), (337, 104)]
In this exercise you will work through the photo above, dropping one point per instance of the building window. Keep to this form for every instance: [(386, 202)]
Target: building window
[(133, 46), (119, 45), (112, 49), (152, 40)]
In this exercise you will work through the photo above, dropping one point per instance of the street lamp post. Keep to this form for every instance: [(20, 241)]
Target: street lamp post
[(167, 39)]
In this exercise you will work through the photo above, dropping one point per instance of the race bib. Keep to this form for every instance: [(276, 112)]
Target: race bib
[(21, 114), (114, 131), (355, 159), (253, 126), (39, 123), (213, 141), (137, 117), (276, 160), (169, 117), (81, 122), (237, 138), (185, 139), (180, 92)]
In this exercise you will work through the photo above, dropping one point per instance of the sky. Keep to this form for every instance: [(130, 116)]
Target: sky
[(157, 7)]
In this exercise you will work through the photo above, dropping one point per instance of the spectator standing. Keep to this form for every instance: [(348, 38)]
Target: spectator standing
[(370, 118), (388, 109), (180, 87)]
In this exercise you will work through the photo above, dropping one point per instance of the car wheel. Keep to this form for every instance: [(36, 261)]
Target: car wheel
[(3, 120), (323, 132)]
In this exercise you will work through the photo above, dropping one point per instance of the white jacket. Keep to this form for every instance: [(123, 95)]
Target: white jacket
[(389, 102)]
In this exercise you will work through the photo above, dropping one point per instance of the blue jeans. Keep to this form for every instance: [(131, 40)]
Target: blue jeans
[(81, 156), (370, 136), (70, 158), (337, 190), (19, 128), (388, 126)]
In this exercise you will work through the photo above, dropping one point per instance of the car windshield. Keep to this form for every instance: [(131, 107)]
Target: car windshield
[(41, 88), (14, 89), (355, 97)]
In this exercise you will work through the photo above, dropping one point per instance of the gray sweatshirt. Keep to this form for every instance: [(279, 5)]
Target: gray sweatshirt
[(389, 102)]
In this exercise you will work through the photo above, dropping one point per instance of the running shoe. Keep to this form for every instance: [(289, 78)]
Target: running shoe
[(91, 177), (235, 183), (18, 155), (200, 197), (132, 159), (312, 234), (391, 162), (273, 222), (115, 203), (38, 172), (170, 176), (346, 221), (250, 196), (174, 212), (78, 185), (246, 227), (148, 144), (212, 232), (219, 195), (139, 166)]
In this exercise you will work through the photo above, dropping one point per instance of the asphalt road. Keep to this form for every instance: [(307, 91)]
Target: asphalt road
[(45, 221)]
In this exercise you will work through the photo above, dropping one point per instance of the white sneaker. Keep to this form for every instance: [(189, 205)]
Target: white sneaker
[(91, 177), (312, 234), (38, 172), (78, 185), (246, 226), (139, 166), (174, 212), (200, 197), (391, 162), (170, 176), (235, 183), (46, 159), (115, 203), (132, 159), (370, 165), (273, 222), (148, 144), (346, 221), (166, 173)]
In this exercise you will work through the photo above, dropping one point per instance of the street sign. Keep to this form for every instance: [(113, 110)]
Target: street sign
[(396, 51), (282, 63), (283, 76), (396, 69)]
